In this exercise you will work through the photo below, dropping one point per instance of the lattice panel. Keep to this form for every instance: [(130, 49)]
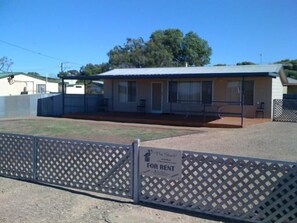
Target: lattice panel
[(285, 110), (228, 186), (281, 205), (16, 156), (91, 166)]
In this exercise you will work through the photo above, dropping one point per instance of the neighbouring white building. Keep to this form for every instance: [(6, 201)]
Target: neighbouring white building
[(20, 83)]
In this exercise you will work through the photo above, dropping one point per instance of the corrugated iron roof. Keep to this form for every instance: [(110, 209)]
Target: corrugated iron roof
[(292, 81), (243, 70), (272, 70)]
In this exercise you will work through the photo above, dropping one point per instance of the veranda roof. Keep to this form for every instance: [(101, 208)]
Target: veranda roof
[(272, 70)]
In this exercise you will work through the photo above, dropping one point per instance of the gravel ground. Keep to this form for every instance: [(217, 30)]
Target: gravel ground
[(22, 202), (26, 202), (271, 140)]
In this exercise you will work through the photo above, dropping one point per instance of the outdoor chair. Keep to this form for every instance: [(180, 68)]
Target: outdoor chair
[(260, 109), (141, 105)]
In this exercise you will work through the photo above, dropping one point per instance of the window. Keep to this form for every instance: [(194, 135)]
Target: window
[(41, 88), (248, 92), (172, 94), (234, 92), (190, 92), (127, 91), (207, 92)]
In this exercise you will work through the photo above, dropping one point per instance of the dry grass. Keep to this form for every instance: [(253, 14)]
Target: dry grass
[(90, 130)]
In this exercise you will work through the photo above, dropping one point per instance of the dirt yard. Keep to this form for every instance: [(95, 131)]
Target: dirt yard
[(270, 140), (27, 202), (22, 202)]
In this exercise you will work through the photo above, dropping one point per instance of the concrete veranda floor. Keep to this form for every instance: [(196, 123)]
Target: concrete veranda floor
[(170, 119)]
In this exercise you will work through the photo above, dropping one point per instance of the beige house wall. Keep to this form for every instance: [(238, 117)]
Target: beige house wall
[(22, 81), (262, 93)]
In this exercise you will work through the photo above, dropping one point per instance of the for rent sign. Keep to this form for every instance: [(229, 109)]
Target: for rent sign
[(161, 163)]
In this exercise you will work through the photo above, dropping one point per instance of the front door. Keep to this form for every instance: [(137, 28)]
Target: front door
[(157, 97)]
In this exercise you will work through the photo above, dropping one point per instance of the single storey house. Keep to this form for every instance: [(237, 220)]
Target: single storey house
[(222, 90), (20, 83)]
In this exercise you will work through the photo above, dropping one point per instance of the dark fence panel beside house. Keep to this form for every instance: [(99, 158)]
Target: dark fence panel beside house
[(290, 96), (51, 106), (285, 110), (73, 103)]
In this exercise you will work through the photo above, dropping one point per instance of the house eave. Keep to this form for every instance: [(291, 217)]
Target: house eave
[(171, 76)]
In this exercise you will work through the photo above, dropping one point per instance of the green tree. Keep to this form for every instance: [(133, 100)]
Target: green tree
[(92, 69), (68, 73), (195, 51), (164, 48), (245, 63), (33, 73), (157, 53), (89, 70), (290, 67), (132, 54)]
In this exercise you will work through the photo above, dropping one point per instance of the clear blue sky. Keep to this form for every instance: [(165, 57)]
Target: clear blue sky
[(83, 31)]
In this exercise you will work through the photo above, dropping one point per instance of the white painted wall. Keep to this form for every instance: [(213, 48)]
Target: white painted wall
[(20, 81), (277, 91), (75, 89)]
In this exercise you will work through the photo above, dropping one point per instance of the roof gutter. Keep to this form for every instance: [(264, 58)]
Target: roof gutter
[(158, 76)]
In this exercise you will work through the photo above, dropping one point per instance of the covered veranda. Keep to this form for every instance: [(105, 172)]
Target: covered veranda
[(206, 117), (203, 118)]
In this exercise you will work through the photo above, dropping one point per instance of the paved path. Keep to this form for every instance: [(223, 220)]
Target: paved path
[(271, 140)]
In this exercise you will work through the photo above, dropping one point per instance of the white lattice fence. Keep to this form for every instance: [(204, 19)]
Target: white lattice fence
[(16, 156), (235, 187), (240, 188), (94, 166), (99, 167)]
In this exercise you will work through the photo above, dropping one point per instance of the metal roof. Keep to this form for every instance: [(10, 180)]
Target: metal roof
[(49, 79), (188, 72), (215, 71), (291, 81)]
